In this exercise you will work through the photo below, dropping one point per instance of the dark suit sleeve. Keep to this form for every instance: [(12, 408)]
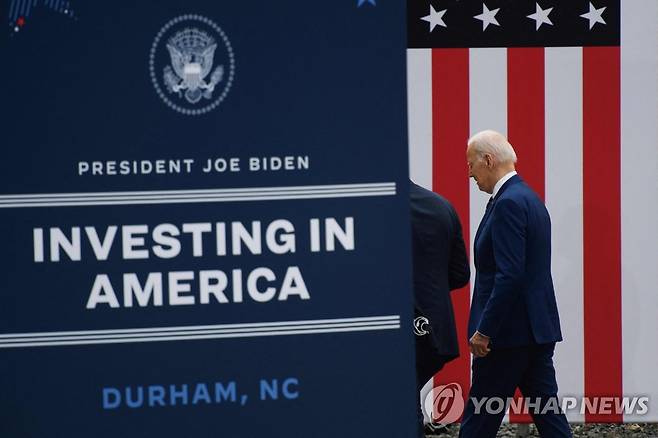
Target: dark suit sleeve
[(508, 229), (459, 271)]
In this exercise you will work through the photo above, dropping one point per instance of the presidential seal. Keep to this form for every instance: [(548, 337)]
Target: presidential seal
[(192, 65)]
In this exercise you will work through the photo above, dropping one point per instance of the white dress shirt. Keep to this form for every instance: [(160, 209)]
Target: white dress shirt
[(502, 181)]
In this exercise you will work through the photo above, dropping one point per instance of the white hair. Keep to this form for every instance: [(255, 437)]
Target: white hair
[(493, 143)]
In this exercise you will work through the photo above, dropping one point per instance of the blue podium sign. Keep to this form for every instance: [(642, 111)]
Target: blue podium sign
[(205, 215)]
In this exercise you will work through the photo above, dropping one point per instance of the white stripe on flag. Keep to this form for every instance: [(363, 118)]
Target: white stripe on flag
[(639, 200), (564, 199), (419, 98), (488, 110)]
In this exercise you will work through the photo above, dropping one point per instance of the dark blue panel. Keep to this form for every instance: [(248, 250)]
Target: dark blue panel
[(325, 82)]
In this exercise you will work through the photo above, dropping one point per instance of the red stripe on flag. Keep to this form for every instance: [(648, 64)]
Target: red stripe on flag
[(525, 127), (602, 225), (450, 127), (525, 113)]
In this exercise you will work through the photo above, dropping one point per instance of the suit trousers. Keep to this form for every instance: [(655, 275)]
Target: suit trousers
[(498, 374), (428, 363)]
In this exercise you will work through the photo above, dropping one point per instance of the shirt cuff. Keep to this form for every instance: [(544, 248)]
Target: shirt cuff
[(482, 334)]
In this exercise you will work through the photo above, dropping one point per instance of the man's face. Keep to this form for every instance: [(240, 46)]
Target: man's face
[(480, 169)]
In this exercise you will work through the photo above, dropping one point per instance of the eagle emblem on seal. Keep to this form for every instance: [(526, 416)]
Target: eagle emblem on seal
[(192, 51)]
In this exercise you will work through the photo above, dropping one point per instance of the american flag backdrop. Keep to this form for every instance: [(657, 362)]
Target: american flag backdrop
[(574, 85)]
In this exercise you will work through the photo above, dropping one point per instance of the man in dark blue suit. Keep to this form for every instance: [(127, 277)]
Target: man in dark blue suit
[(514, 322), (440, 264)]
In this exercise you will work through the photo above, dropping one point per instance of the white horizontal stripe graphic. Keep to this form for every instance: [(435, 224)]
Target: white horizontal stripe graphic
[(390, 318), (206, 191), (199, 332), (190, 333), (197, 196), (198, 337)]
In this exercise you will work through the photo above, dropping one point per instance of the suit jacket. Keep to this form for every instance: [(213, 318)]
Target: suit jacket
[(513, 299), (439, 265)]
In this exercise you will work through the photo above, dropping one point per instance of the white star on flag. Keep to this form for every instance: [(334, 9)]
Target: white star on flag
[(541, 16), (594, 15), (487, 17), (435, 18)]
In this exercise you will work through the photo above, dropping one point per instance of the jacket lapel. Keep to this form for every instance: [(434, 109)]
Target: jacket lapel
[(487, 212), (510, 182), (513, 180)]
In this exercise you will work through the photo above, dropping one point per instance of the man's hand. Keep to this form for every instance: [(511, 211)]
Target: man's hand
[(479, 345)]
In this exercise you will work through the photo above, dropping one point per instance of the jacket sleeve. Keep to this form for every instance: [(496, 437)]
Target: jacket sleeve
[(459, 271), (508, 235)]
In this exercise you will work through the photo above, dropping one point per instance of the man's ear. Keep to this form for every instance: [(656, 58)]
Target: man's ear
[(489, 161)]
